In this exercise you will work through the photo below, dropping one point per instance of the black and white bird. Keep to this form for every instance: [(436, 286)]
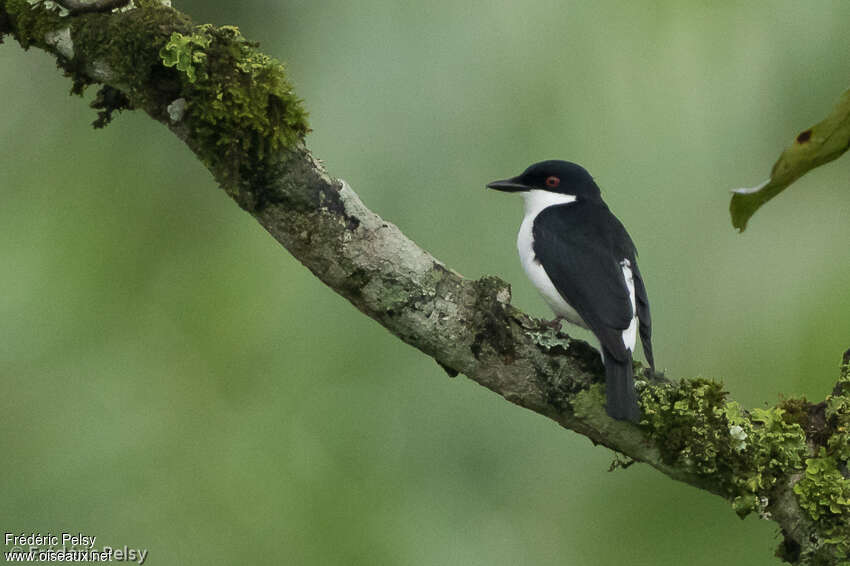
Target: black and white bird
[(583, 262)]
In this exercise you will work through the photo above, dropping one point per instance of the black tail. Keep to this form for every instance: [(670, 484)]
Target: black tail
[(620, 388)]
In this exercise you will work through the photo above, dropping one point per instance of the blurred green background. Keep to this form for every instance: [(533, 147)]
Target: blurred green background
[(174, 380)]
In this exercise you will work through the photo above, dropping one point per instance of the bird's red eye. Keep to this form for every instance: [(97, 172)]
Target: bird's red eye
[(552, 181)]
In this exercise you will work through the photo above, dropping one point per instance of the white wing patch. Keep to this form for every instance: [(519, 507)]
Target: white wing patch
[(535, 202), (630, 333)]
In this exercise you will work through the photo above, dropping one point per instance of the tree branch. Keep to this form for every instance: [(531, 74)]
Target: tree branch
[(235, 109), (83, 7)]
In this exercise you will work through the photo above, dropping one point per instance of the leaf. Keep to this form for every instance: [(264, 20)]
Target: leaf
[(816, 146)]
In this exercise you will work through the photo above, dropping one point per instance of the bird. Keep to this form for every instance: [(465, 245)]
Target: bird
[(583, 262)]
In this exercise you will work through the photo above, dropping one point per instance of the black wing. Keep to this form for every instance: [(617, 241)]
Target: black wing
[(581, 245)]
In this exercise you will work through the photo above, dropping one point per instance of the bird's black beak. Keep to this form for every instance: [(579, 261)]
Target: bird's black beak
[(508, 185)]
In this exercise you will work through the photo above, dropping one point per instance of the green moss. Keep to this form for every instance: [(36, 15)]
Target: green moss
[(588, 404), (239, 100), (838, 419), (745, 453), (824, 493), (186, 52), (778, 444), (824, 490), (108, 101), (128, 45), (240, 107), (31, 23), (838, 414), (688, 423), (796, 409)]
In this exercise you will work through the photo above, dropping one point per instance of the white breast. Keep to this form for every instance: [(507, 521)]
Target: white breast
[(535, 202)]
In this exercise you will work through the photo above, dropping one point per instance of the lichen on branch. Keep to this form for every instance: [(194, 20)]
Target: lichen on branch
[(240, 99), (824, 491), (240, 105)]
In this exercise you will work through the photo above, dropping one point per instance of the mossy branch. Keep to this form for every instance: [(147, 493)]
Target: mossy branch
[(235, 108), (82, 7)]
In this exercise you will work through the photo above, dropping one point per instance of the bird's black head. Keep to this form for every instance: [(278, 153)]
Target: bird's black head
[(554, 176)]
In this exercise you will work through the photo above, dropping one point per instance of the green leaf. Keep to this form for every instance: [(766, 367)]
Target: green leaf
[(816, 146)]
